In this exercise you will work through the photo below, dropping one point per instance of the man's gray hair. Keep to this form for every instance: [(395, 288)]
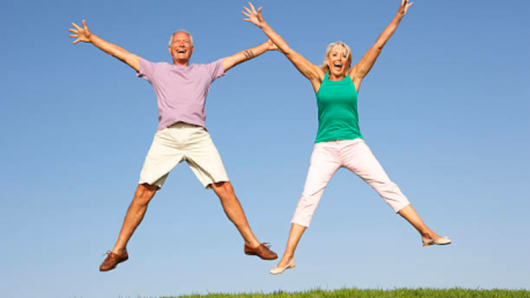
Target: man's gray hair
[(178, 31)]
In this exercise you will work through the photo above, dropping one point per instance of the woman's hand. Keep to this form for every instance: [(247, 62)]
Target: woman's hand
[(82, 34), (254, 16), (405, 4)]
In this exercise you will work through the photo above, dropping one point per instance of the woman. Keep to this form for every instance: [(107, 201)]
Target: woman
[(339, 142)]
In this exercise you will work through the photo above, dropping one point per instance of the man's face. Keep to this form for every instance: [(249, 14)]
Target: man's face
[(181, 48)]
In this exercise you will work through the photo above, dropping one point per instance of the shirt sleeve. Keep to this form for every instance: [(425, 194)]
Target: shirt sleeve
[(216, 69), (147, 68)]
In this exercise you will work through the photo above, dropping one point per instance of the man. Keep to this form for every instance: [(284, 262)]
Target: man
[(181, 91)]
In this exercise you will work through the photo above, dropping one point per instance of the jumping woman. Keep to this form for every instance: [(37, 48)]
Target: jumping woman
[(339, 142)]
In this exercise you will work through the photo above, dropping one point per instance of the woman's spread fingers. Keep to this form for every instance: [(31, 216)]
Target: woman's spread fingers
[(252, 6), (75, 25)]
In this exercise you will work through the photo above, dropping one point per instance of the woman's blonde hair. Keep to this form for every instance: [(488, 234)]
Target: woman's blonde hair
[(330, 48)]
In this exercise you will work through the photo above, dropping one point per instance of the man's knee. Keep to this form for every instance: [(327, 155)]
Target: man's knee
[(144, 193), (222, 188)]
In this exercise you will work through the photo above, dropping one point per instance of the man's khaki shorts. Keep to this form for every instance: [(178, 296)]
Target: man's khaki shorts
[(183, 142)]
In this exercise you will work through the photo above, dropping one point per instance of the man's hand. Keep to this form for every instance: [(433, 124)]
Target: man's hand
[(272, 46), (82, 34)]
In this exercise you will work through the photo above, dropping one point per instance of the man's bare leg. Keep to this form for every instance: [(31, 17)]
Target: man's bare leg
[(144, 193), (234, 211), (135, 214)]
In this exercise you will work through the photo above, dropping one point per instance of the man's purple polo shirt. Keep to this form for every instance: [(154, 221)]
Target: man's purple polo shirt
[(181, 90)]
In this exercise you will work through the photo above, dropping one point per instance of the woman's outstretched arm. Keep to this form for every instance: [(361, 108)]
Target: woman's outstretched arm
[(361, 69), (306, 68)]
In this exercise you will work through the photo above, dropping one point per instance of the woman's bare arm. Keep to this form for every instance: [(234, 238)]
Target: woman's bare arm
[(306, 68), (361, 69)]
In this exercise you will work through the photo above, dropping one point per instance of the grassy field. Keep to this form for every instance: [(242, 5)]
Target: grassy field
[(357, 293)]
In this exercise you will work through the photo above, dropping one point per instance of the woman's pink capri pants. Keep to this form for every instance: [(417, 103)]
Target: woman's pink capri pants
[(354, 155)]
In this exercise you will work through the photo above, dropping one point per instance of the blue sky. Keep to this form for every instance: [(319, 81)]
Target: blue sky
[(445, 110)]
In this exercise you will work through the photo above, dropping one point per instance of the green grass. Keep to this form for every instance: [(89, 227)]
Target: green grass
[(358, 293)]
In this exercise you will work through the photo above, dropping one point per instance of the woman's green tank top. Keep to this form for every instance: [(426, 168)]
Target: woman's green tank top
[(337, 111)]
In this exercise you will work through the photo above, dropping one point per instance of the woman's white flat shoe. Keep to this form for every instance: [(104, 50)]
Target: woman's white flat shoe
[(439, 241), (280, 270)]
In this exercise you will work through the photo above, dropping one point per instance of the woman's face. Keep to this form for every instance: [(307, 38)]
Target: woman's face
[(337, 62)]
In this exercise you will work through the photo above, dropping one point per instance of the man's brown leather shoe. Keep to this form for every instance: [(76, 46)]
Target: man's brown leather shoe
[(261, 251), (113, 260)]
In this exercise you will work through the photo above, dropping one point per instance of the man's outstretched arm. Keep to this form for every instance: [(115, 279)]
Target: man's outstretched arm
[(84, 35), (246, 55)]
